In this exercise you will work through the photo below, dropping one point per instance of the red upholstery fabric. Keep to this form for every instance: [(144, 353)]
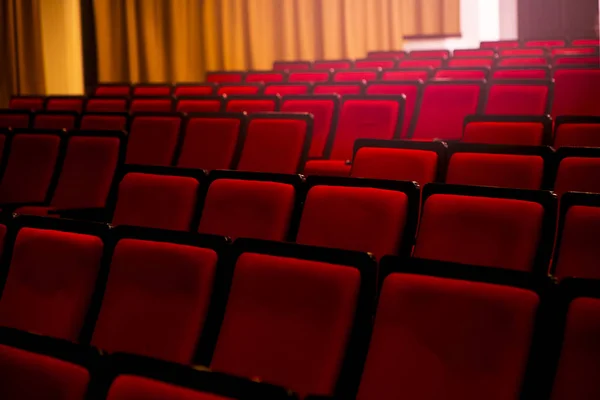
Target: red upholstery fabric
[(283, 89), (308, 76), (571, 51), (274, 145), (209, 143), (488, 232), (87, 172), (198, 105), (27, 103), (501, 44), (251, 209), (578, 249), (577, 375), (421, 63), (514, 61), (109, 122), (575, 92), (473, 53), (152, 140), (327, 168), (113, 91), (287, 321), (65, 104), (152, 91), (41, 211), (151, 105), (193, 90), (471, 62), (50, 282), (395, 164), (323, 114), (238, 89), (440, 338), (374, 63), (513, 133), (156, 201), (16, 120), (324, 88), (545, 43), (409, 91), (25, 375), (354, 76), (265, 76), (577, 60), (386, 55), (522, 52), (354, 218), (503, 170), (429, 53), (578, 174), (250, 106), (518, 73), (106, 105), (334, 64), (585, 42), (511, 99), (128, 387), (450, 73), (54, 121), (363, 119), (226, 77), (29, 168), (443, 109), (156, 299), (577, 135), (406, 75)]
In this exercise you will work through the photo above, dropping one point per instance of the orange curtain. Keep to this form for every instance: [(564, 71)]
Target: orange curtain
[(431, 17)]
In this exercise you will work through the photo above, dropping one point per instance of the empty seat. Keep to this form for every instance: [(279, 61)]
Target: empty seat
[(488, 227), (205, 104), (532, 52), (430, 54), (151, 104), (287, 88), (306, 308), (372, 216), (240, 89), (276, 142), (265, 76), (588, 60), (225, 77), (577, 170), (545, 43), (31, 103), (451, 331), (357, 75), (194, 89), (520, 97), (30, 166), (341, 88), (572, 51), (521, 61), (211, 141), (375, 63), (105, 121), (249, 205), (462, 73), (167, 315), (113, 90), (152, 90), (309, 76), (508, 130), (153, 139), (65, 103), (399, 160), (55, 120), (471, 62), (291, 65), (407, 74), (392, 54), (499, 44), (15, 118), (586, 42), (375, 117), (51, 279), (521, 73), (576, 247), (421, 63), (519, 167), (459, 53), (444, 107), (577, 132), (333, 64), (252, 104), (575, 91), (412, 91), (158, 198), (325, 110), (107, 104)]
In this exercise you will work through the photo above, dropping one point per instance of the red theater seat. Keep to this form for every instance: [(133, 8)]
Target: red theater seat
[(105, 121), (460, 53), (200, 104), (151, 104), (166, 316), (159, 198), (521, 73), (522, 61), (487, 227), (51, 280), (430, 54), (587, 60), (471, 62), (545, 43), (508, 130), (444, 107), (357, 75), (289, 320), (153, 139), (520, 97), (578, 170), (291, 65), (394, 54), (499, 44), (276, 142), (333, 64), (407, 74), (55, 120), (210, 141), (225, 77), (113, 90), (72, 103), (539, 52), (265, 76), (249, 205), (412, 91), (398, 160), (309, 76), (462, 73), (194, 89), (341, 88), (240, 89), (152, 90), (15, 118), (586, 42), (421, 63), (325, 110), (30, 103), (375, 63), (351, 214), (575, 91), (577, 132), (107, 104), (287, 88), (252, 104), (573, 51)]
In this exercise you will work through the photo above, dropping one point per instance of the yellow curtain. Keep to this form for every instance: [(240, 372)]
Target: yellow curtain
[(431, 17), (179, 40)]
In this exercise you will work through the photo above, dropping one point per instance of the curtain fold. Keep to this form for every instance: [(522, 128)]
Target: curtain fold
[(431, 17)]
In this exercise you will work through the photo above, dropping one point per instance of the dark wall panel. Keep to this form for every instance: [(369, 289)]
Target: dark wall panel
[(557, 18)]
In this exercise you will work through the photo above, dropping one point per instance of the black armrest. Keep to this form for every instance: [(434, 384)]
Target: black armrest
[(87, 214)]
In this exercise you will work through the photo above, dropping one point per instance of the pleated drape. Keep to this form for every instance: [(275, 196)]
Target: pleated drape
[(431, 17)]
